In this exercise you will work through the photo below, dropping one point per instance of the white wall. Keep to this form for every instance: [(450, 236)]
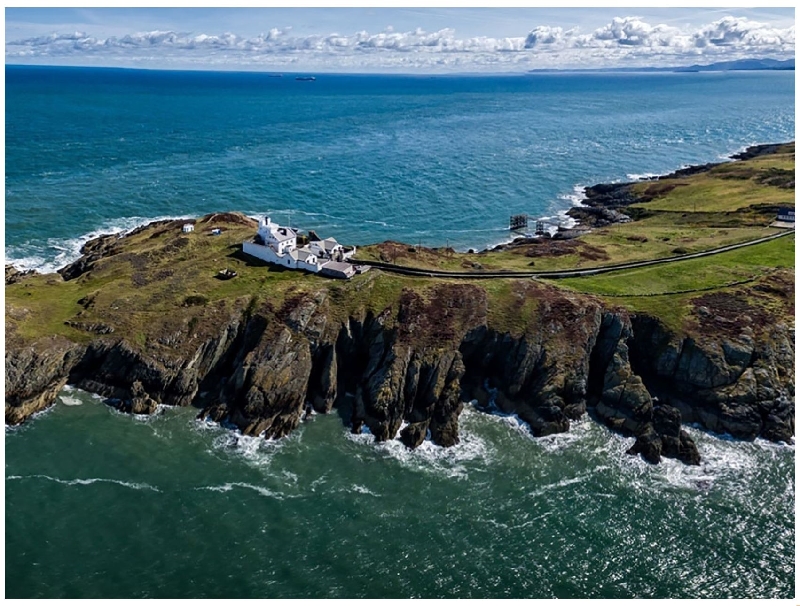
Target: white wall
[(312, 267), (265, 253)]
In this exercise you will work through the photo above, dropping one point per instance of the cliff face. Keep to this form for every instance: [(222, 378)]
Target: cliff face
[(738, 386), (35, 374), (410, 367)]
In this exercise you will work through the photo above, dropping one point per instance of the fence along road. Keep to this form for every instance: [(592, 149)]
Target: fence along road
[(567, 273)]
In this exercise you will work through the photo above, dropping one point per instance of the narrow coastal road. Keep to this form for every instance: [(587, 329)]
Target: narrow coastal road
[(567, 273)]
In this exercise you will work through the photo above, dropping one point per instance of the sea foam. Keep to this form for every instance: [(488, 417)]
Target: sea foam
[(228, 486), (87, 482), (60, 252), (428, 457), (255, 450)]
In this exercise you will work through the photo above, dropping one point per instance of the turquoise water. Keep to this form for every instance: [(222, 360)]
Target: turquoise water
[(100, 504)]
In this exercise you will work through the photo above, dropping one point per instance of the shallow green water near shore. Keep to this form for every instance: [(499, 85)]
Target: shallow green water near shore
[(101, 504)]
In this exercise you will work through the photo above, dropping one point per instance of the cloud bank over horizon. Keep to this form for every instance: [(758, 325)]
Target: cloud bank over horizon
[(623, 42)]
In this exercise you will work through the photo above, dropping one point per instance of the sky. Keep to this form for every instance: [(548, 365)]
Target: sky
[(401, 40)]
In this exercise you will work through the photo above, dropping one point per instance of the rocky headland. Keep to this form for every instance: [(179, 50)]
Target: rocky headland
[(142, 320), (608, 203)]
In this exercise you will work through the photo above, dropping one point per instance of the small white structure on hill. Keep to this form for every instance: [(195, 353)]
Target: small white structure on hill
[(187, 228), (278, 245)]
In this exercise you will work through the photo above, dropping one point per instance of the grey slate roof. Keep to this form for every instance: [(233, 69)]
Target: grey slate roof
[(338, 270), (281, 234)]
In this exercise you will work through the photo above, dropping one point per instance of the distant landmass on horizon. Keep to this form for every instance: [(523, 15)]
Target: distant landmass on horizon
[(722, 66)]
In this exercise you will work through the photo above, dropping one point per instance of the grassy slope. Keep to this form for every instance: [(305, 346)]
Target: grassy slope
[(727, 187), (633, 288), (148, 288)]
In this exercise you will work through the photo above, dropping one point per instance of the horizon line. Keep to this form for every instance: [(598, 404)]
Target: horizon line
[(645, 68)]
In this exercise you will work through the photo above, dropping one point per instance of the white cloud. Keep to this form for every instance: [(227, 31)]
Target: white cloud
[(631, 31), (731, 31), (625, 40)]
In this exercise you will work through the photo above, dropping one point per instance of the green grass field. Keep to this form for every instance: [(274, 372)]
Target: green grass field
[(728, 187), (633, 288)]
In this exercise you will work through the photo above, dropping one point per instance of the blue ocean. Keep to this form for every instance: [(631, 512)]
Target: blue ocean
[(99, 504), (432, 160)]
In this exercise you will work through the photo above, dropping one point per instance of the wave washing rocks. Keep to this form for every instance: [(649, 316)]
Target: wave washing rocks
[(542, 353)]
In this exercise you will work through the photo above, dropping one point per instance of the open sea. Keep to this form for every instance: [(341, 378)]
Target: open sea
[(99, 504)]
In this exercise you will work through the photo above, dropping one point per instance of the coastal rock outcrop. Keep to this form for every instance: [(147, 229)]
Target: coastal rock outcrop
[(735, 385), (624, 404), (35, 373), (14, 275)]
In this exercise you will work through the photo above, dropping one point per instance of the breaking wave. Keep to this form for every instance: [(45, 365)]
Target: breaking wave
[(255, 450), (56, 253), (453, 461), (87, 482), (228, 486)]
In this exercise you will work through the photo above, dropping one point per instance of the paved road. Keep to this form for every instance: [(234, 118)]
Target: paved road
[(567, 273)]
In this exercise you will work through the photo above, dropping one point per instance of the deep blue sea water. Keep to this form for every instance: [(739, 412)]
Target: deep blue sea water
[(101, 504), (363, 158)]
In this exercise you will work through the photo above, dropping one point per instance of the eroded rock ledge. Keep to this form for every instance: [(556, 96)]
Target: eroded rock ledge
[(420, 358)]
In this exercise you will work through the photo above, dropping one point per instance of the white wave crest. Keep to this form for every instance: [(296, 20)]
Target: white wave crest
[(428, 457), (578, 430), (143, 418), (87, 482), (641, 176), (255, 450), (725, 463), (577, 197), (363, 490), (55, 253), (557, 442), (228, 486), (556, 485), (68, 400)]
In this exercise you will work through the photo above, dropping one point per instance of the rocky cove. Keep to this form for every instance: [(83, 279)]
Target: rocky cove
[(403, 359)]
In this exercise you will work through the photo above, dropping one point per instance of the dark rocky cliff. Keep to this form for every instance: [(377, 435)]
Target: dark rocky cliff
[(419, 359)]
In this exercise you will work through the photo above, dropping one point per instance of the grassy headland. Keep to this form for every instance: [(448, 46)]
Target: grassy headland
[(158, 269)]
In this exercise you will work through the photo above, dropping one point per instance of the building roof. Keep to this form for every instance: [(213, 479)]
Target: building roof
[(281, 234), (335, 267), (329, 244)]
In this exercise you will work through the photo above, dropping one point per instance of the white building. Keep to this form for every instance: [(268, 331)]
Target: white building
[(188, 228), (281, 239), (327, 248), (278, 245)]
